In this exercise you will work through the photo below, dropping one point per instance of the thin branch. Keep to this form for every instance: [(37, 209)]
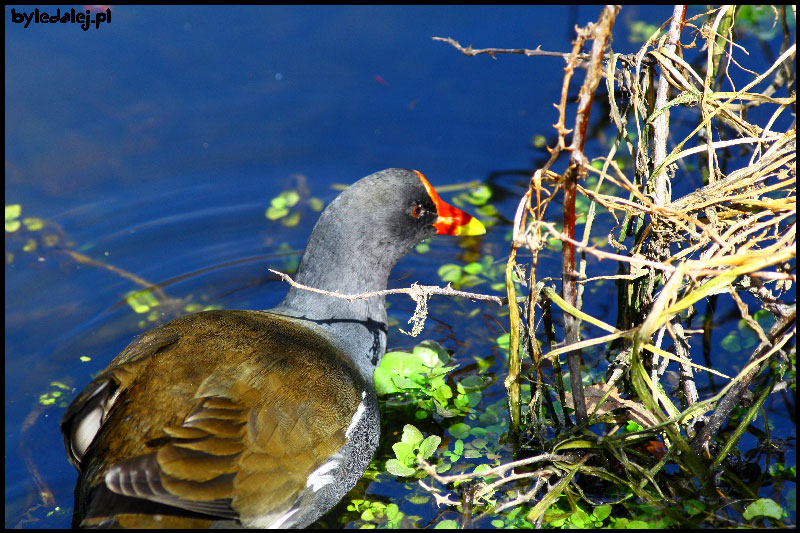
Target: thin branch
[(583, 59), (499, 470), (661, 124), (86, 260), (601, 33), (469, 51), (415, 291)]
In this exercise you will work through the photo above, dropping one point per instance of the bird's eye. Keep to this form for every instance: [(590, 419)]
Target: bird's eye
[(416, 211)]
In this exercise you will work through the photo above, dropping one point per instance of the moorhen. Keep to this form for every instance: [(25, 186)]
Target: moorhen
[(256, 418)]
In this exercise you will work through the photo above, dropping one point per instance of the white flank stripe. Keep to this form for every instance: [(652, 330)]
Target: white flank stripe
[(356, 416)]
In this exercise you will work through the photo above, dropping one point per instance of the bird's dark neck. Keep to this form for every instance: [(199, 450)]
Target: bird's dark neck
[(342, 262), (352, 249), (340, 259)]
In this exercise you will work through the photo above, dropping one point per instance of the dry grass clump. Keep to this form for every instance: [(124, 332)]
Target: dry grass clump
[(729, 242)]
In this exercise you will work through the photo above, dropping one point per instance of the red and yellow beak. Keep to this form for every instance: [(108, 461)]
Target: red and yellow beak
[(451, 221)]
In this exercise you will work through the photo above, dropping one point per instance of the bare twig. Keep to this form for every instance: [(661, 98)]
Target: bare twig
[(415, 291), (469, 51), (583, 59), (661, 124), (499, 470), (601, 33), (86, 260)]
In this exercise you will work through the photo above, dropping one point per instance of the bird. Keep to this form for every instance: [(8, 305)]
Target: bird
[(244, 418)]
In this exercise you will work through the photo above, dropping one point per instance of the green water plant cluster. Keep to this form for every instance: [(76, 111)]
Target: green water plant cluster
[(411, 447), (28, 234), (420, 377), (283, 207)]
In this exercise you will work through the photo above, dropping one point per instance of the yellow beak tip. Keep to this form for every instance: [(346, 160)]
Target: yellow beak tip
[(473, 227)]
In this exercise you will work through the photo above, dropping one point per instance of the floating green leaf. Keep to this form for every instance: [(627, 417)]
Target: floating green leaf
[(449, 272), (412, 435), (429, 446), (431, 354), (459, 430), (13, 212), (316, 204), (274, 213), (763, 507), (404, 451), (141, 301), (473, 268), (292, 220), (693, 507), (33, 223)]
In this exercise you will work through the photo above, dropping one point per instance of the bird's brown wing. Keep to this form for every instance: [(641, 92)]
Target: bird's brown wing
[(223, 413)]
